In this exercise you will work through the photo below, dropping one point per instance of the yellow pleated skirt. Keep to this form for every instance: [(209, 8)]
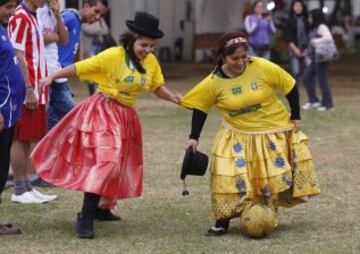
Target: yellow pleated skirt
[(271, 167)]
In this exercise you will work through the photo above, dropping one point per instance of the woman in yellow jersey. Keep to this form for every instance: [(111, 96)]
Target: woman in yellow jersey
[(97, 147), (259, 153)]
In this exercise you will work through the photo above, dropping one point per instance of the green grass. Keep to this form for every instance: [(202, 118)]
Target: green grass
[(163, 221)]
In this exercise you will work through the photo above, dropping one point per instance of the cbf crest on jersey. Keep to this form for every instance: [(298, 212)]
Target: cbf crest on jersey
[(254, 85), (236, 90), (129, 79)]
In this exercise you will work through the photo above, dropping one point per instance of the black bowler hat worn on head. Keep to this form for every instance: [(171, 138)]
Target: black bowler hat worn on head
[(145, 24), (193, 164)]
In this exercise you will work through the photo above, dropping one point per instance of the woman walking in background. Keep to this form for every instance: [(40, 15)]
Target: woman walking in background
[(259, 153), (97, 147), (319, 33)]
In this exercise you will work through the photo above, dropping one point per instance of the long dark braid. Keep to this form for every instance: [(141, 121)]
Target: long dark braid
[(127, 40), (218, 56)]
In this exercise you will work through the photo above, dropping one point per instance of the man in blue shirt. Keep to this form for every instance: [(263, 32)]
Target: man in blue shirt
[(60, 94), (12, 94)]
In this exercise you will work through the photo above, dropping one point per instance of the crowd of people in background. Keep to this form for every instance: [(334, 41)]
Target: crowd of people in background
[(302, 31), (39, 41)]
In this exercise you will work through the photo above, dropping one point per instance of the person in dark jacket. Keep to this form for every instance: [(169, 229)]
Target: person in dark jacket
[(12, 93), (296, 35)]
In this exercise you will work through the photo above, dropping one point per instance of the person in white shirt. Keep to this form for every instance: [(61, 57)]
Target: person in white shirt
[(319, 33), (55, 32)]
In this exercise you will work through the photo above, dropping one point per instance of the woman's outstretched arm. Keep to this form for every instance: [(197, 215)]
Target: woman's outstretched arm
[(66, 72), (164, 93)]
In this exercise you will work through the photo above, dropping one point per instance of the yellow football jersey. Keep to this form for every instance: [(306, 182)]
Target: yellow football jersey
[(113, 71), (247, 102)]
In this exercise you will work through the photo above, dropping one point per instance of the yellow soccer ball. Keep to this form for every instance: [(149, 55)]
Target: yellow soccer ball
[(258, 221)]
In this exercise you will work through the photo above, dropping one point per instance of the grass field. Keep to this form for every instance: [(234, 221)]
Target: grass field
[(163, 221)]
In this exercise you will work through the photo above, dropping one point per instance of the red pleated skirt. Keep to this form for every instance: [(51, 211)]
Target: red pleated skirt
[(97, 148)]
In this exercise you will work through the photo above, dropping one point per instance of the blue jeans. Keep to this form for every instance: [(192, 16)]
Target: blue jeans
[(296, 65), (320, 71), (91, 88), (260, 53), (60, 103)]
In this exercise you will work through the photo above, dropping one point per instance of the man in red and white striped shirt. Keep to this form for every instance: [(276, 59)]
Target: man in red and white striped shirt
[(27, 40), (26, 37)]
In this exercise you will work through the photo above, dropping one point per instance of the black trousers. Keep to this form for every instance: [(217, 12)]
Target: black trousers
[(320, 71), (6, 138), (90, 205)]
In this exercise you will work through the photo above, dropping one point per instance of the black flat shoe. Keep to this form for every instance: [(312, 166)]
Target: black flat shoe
[(106, 215), (84, 227), (41, 183), (216, 231), (9, 231), (6, 224)]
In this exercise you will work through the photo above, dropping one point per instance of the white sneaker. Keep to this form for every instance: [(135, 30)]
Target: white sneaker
[(325, 109), (44, 197), (26, 198), (311, 105)]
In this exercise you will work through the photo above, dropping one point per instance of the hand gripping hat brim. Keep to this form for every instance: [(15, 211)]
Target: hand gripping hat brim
[(194, 163), (146, 25)]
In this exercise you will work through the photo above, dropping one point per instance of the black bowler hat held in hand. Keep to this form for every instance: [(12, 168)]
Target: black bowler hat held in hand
[(146, 25), (193, 164)]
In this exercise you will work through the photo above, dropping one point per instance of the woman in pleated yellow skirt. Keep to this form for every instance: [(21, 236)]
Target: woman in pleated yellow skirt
[(259, 153)]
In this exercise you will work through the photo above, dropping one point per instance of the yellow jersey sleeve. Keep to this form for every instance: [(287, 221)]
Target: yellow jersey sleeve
[(157, 77), (277, 77), (93, 68), (201, 97)]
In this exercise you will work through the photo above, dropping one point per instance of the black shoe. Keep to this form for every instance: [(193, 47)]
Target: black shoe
[(221, 227), (6, 224), (84, 227), (106, 215), (9, 231), (41, 183), (216, 231)]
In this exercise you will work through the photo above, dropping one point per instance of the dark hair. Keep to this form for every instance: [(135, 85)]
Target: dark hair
[(94, 2), (221, 51), (256, 3), (304, 12), (317, 17), (3, 2), (105, 3), (127, 40)]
